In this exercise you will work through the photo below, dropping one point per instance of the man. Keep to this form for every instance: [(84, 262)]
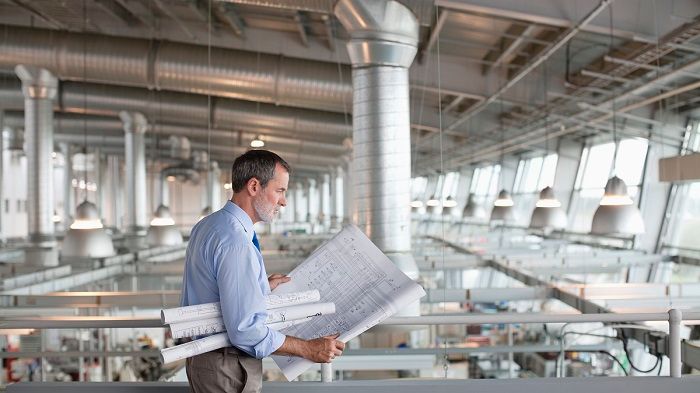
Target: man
[(224, 264)]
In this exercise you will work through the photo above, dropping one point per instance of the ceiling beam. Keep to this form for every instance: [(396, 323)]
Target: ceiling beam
[(561, 41), (509, 46), (435, 32), (38, 13), (301, 20), (230, 16), (330, 31), (119, 11), (165, 10)]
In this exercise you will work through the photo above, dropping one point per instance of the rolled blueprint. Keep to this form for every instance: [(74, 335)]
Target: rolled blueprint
[(277, 319), (212, 310), (299, 312), (199, 327), (196, 347), (190, 313), (292, 299), (211, 343)]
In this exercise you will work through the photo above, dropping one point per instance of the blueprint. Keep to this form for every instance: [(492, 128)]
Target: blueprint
[(213, 310), (365, 286)]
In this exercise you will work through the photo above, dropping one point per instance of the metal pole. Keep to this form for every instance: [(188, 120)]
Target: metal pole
[(674, 341), (511, 368), (326, 372)]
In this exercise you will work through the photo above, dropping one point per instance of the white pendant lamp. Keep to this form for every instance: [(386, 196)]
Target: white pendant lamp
[(548, 213), (162, 231), (416, 205), (448, 206), (432, 204), (86, 237), (617, 213), (502, 207)]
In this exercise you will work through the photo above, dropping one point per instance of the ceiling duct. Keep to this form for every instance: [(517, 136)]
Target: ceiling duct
[(189, 109), (182, 173), (180, 148), (382, 46), (164, 65)]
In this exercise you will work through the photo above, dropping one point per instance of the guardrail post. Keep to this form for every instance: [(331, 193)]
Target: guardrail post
[(674, 341), (326, 372)]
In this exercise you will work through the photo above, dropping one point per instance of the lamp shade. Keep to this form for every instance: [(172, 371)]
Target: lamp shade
[(448, 206), (503, 207), (162, 231), (432, 205), (548, 212), (617, 213), (86, 237)]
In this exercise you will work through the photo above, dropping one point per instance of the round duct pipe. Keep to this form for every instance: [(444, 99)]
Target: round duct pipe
[(383, 43)]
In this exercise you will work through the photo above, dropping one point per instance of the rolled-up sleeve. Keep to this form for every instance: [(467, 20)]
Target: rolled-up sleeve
[(243, 301)]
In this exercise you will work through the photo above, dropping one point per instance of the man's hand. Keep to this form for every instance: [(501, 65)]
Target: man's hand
[(324, 349), (318, 350), (277, 279)]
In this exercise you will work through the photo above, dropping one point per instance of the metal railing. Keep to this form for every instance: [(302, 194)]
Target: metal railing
[(674, 318)]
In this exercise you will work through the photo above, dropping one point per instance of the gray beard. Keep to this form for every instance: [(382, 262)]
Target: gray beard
[(266, 214)]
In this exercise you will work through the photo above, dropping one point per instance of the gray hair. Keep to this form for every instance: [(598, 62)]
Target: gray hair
[(259, 164)]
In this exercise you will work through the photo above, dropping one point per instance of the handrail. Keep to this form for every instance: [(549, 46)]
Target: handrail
[(674, 318)]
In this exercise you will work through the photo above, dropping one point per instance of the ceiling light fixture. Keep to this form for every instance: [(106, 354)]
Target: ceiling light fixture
[(257, 142), (162, 231), (86, 237), (502, 208)]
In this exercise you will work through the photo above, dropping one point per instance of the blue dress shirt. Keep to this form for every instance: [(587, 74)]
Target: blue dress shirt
[(223, 265)]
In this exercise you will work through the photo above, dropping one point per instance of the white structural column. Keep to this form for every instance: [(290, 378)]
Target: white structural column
[(135, 126), (68, 199), (323, 200), (213, 187), (333, 198), (39, 88), (102, 176), (115, 190), (382, 46), (164, 190), (310, 185), (348, 196)]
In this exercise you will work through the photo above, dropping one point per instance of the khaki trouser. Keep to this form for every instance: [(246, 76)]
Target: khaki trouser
[(224, 370)]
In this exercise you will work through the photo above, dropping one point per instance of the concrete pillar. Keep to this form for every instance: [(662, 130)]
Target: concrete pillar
[(39, 88)]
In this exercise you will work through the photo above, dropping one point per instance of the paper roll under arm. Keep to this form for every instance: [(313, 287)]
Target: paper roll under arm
[(197, 328), (300, 312), (190, 313), (211, 310), (193, 348)]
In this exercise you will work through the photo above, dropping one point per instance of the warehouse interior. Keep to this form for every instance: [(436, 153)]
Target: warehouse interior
[(528, 163)]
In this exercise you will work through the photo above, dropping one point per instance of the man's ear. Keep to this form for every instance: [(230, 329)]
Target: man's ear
[(253, 186)]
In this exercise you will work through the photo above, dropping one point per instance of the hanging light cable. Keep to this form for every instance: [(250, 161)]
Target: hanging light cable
[(503, 205), (548, 213), (617, 213)]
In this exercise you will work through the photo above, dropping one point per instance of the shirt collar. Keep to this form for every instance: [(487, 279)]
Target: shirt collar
[(241, 216)]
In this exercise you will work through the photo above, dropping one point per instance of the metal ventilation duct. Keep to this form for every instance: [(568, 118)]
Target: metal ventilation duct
[(39, 88), (135, 126), (188, 109), (164, 65), (383, 39)]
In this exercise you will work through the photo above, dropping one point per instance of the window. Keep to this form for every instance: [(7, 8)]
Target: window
[(532, 176), (595, 169), (418, 185), (484, 184), (449, 187)]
